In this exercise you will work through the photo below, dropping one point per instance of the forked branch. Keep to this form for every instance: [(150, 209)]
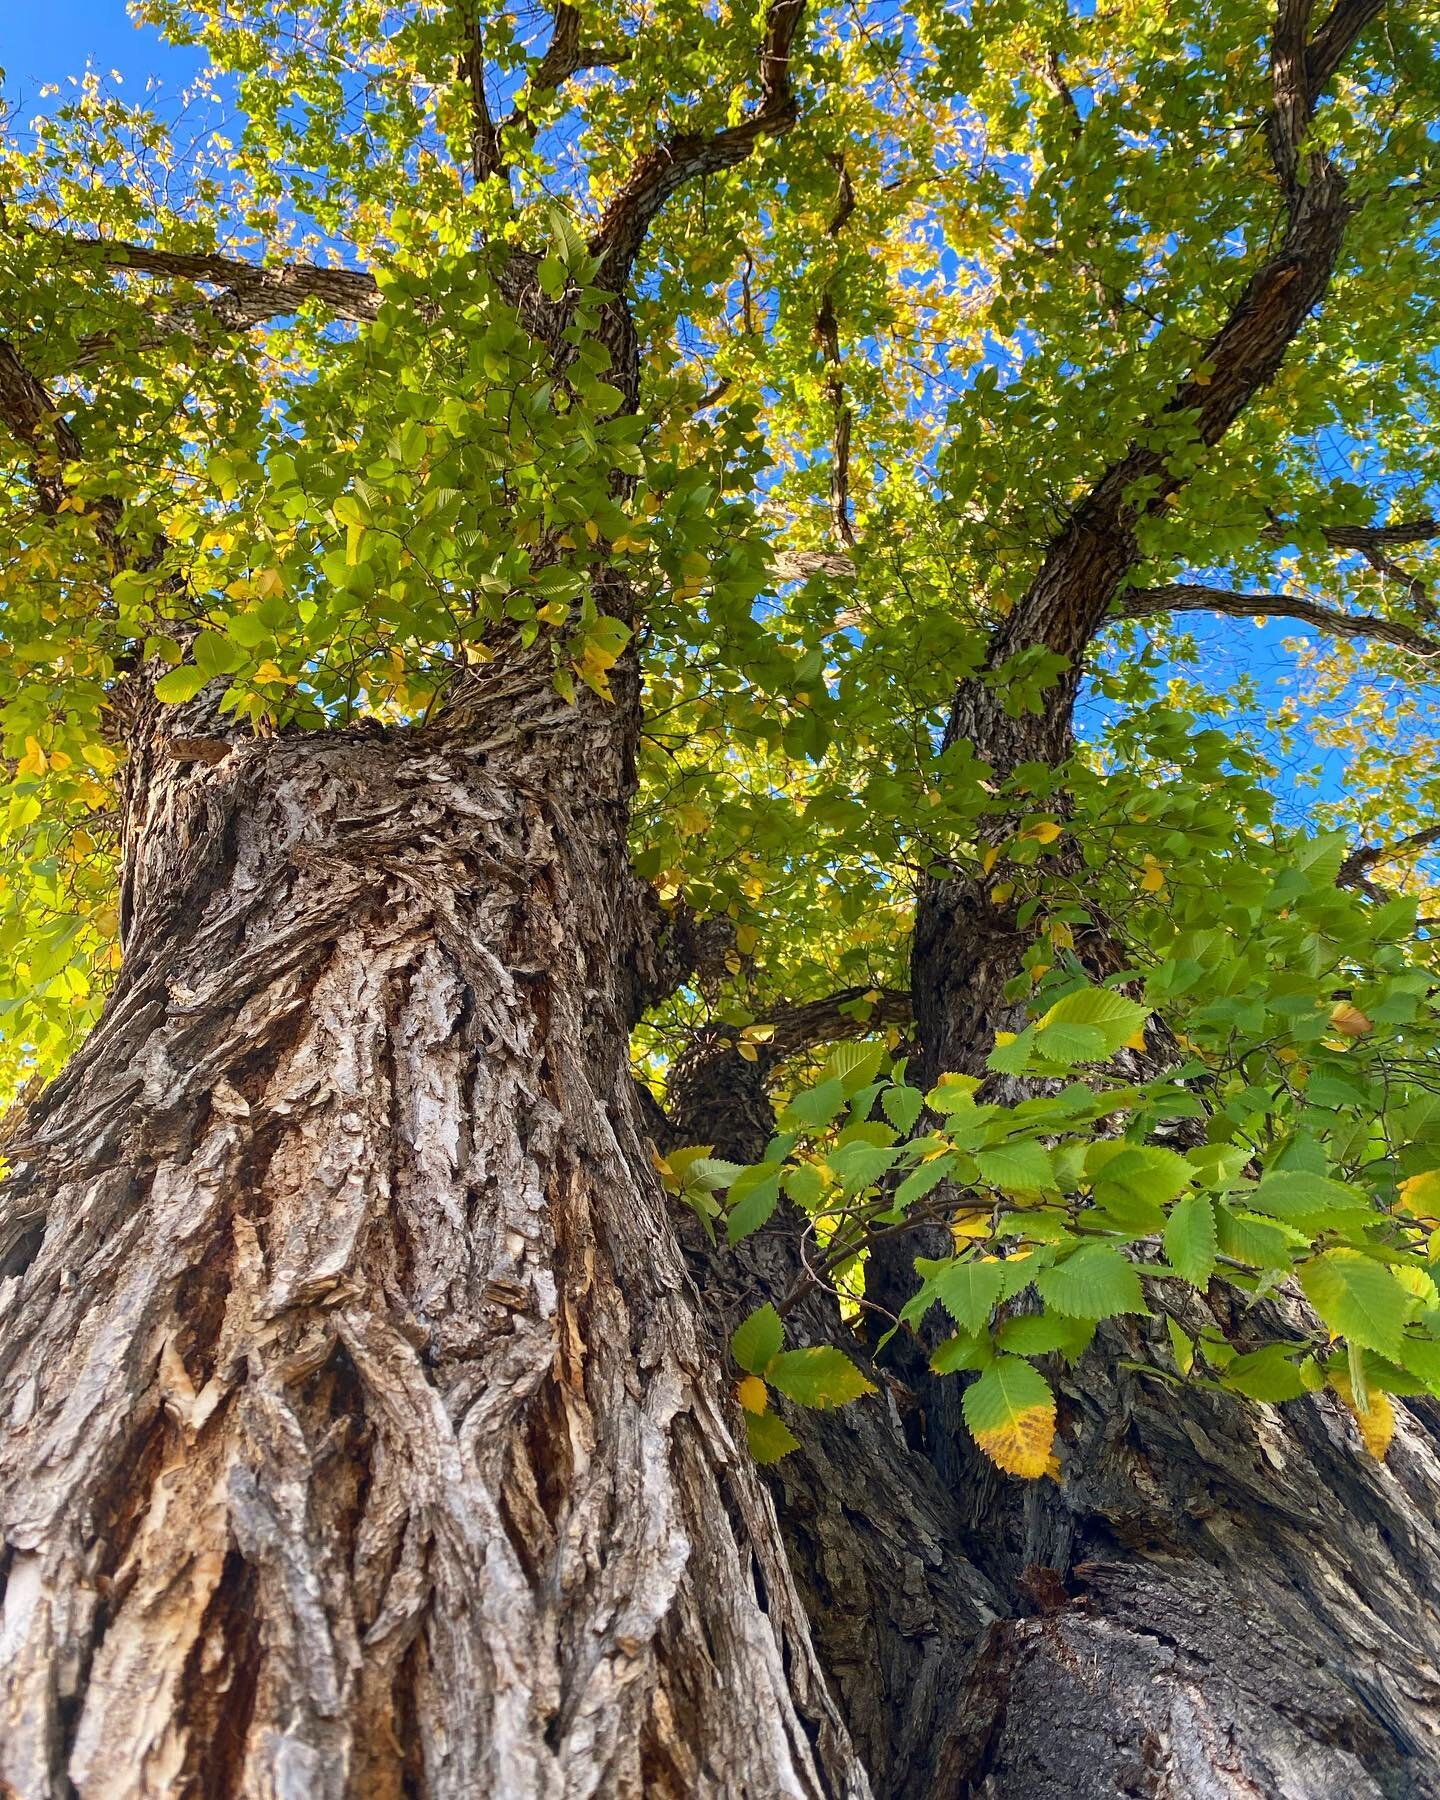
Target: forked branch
[(684, 155)]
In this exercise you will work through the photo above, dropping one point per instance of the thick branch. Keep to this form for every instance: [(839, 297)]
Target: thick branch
[(1145, 603), (1085, 563), (687, 154), (250, 293), (565, 56), (1355, 870), (484, 139), (1332, 40)]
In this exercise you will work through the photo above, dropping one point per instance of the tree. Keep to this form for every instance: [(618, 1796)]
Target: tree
[(566, 943)]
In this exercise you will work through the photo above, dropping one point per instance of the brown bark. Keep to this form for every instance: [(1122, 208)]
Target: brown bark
[(875, 1537), (361, 1433)]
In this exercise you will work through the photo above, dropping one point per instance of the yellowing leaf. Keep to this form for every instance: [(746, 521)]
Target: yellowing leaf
[(1349, 1021), (752, 1394), (1044, 832), (1153, 878), (1376, 1418), (1010, 1413), (1420, 1195)]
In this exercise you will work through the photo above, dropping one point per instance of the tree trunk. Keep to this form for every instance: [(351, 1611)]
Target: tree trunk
[(1240, 1602), (361, 1436), (876, 1538)]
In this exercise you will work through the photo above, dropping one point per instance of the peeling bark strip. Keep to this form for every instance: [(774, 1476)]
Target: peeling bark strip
[(359, 1436)]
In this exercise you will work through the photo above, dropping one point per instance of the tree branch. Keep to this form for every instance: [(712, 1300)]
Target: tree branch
[(31, 415), (1145, 603), (1078, 578), (484, 139), (682, 156), (1355, 870), (251, 292), (1332, 40), (842, 418)]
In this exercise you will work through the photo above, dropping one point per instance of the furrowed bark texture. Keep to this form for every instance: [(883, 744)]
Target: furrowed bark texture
[(1242, 1603), (876, 1538), (358, 1434)]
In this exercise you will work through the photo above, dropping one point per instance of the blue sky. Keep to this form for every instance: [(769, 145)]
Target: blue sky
[(47, 40)]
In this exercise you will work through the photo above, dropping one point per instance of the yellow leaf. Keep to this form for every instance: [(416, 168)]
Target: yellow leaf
[(1350, 1021), (748, 1052), (1136, 1040), (1001, 892), (33, 761), (1060, 934), (1023, 1443), (1376, 1418), (1045, 832), (1420, 1195), (1153, 878), (692, 820), (989, 859), (752, 1394)]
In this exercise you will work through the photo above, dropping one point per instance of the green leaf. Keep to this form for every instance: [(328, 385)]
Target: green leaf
[(752, 1201), (1181, 1346), (1309, 1202), (820, 1377), (178, 685), (1093, 1282), (961, 1352), (1036, 1334), (1010, 1413), (216, 656), (1069, 1044), (1254, 1240), (1190, 1239), (816, 1106), (969, 1291), (902, 1106), (804, 1183), (919, 1181), (1266, 1374), (853, 1064), (712, 1172), (1358, 1298), (1146, 1170), (770, 1437), (757, 1339), (860, 1165), (1016, 1168), (1114, 1017)]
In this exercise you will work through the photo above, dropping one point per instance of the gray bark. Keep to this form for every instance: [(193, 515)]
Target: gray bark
[(360, 1432)]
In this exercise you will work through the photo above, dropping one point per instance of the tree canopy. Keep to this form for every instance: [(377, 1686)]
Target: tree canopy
[(990, 362)]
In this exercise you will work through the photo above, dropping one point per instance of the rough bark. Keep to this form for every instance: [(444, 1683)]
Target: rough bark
[(361, 1433), (1242, 1603), (875, 1537)]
